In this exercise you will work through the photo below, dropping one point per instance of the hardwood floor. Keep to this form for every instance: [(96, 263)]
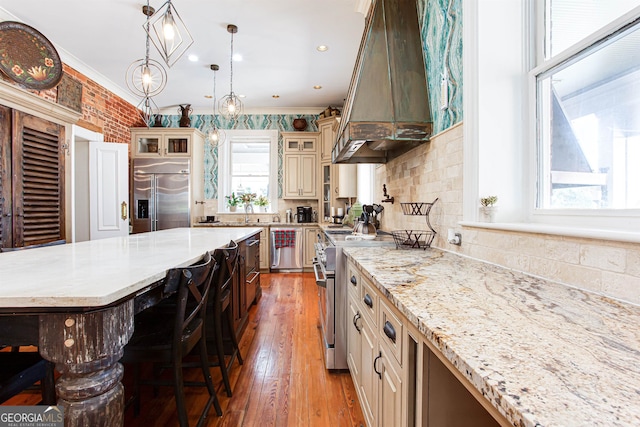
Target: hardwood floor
[(283, 381)]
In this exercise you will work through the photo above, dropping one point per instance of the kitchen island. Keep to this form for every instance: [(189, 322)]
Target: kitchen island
[(539, 353), (77, 302)]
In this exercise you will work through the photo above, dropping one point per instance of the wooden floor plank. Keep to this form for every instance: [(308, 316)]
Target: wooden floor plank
[(283, 381)]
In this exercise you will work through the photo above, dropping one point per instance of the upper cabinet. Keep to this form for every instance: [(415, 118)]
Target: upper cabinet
[(162, 142), (300, 164), (295, 142), (328, 128)]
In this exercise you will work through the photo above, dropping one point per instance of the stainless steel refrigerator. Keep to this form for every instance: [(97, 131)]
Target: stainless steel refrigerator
[(160, 194)]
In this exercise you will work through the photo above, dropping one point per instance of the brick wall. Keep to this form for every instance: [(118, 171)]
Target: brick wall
[(102, 110)]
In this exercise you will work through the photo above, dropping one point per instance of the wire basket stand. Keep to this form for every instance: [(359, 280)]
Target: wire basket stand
[(415, 239)]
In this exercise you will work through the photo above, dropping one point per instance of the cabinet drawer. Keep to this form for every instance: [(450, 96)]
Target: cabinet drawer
[(369, 301), (391, 331), (353, 281)]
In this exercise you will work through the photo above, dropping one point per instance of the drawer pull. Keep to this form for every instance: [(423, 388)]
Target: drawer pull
[(355, 321), (389, 331), (375, 367), (354, 281), (367, 300)]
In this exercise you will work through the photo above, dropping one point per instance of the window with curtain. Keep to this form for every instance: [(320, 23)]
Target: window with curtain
[(248, 165), (587, 91)]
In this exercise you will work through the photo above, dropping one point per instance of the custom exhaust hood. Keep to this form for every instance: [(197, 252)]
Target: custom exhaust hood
[(386, 112)]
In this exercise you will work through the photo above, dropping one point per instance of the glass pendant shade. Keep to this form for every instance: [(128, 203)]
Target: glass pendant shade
[(169, 34), (230, 106), (214, 135), (146, 77)]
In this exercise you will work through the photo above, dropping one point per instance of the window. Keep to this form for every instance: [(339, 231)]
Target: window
[(248, 164), (587, 90)]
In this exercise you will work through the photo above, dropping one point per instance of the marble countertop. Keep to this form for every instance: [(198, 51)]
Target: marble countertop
[(99, 272), (255, 224), (544, 354)]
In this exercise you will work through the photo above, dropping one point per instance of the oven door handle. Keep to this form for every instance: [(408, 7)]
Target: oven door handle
[(317, 271)]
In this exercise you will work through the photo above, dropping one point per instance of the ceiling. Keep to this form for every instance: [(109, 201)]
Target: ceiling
[(277, 40)]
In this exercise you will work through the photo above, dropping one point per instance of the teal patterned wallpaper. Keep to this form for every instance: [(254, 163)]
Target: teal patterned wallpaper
[(441, 28), (441, 32), (280, 122)]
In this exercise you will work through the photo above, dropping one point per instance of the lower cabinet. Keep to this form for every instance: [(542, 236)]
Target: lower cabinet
[(376, 372), (400, 378), (264, 249), (309, 250)]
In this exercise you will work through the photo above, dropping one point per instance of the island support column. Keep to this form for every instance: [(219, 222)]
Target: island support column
[(86, 348)]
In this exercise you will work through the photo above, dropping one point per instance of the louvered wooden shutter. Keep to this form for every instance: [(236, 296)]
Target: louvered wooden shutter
[(38, 184), (6, 238)]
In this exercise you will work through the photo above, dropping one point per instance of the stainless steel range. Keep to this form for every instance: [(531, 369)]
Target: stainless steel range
[(330, 268)]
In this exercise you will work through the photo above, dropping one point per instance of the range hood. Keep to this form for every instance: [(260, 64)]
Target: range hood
[(386, 112)]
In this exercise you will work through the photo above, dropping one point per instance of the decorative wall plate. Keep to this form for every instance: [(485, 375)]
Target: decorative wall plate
[(27, 57)]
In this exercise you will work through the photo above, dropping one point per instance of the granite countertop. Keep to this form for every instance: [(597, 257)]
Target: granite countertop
[(544, 354)]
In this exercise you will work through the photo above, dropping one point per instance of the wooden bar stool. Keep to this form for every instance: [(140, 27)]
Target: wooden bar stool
[(165, 340), (220, 311)]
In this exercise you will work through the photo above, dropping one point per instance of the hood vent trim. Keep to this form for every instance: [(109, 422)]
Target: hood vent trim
[(387, 111)]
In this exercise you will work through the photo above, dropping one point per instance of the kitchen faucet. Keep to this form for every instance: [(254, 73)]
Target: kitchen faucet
[(247, 208), (276, 217)]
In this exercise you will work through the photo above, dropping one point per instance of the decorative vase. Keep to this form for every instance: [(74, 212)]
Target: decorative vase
[(157, 121), (185, 110), (300, 124), (232, 208), (489, 213)]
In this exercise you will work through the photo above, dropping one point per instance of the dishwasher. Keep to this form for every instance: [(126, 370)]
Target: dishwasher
[(286, 249)]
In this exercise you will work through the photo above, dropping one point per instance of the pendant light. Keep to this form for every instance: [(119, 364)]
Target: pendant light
[(146, 77), (230, 105), (170, 35), (215, 135)]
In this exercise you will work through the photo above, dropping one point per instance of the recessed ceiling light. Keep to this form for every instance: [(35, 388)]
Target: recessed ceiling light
[(237, 57), (275, 96), (242, 96), (193, 58), (208, 96), (317, 87), (322, 48)]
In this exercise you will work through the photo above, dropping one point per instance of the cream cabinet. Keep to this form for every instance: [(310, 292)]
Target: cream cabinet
[(339, 181), (163, 142), (310, 238), (400, 377), (175, 142), (297, 142), (264, 249), (328, 128), (300, 180), (300, 165), (374, 353)]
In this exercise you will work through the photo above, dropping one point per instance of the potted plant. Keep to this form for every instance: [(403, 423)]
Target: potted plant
[(233, 201), (247, 199), (488, 208), (262, 201)]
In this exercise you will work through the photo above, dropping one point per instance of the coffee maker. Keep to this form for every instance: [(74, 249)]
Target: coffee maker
[(303, 213)]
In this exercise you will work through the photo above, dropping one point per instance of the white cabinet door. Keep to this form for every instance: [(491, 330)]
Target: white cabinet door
[(369, 380), (390, 392), (354, 354), (308, 175), (108, 190), (300, 178)]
